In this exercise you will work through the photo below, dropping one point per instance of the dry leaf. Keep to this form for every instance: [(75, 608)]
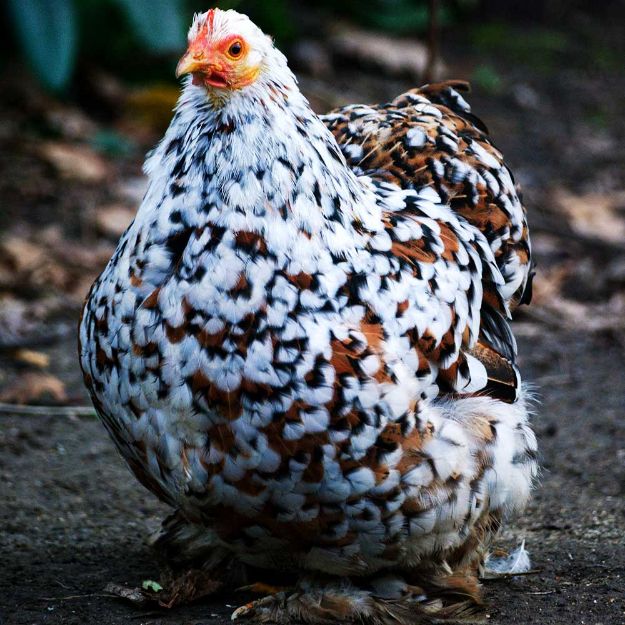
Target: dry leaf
[(593, 214), (551, 306), (75, 162), (20, 254), (70, 122), (112, 220), (190, 586), (398, 56), (31, 387), (134, 595), (33, 358)]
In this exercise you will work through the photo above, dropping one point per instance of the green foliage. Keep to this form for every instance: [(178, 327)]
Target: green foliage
[(151, 585), (274, 17), (112, 143), (46, 32), (158, 23), (117, 34), (600, 120), (398, 16), (539, 47), (50, 32), (499, 34), (487, 78)]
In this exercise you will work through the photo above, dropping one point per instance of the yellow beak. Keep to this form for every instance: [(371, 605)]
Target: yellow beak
[(190, 63)]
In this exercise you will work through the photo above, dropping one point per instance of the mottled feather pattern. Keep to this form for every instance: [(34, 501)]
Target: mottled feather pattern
[(428, 137), (288, 344)]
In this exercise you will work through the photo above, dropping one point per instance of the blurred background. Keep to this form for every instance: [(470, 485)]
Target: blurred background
[(87, 87)]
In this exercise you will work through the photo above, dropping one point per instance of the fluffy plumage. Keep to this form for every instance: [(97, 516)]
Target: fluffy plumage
[(302, 342)]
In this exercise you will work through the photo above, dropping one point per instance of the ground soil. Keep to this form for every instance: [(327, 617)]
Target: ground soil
[(72, 517)]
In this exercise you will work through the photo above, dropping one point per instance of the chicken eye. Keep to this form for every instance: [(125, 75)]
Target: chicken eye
[(235, 49)]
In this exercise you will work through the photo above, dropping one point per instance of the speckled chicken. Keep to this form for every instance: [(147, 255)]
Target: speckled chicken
[(302, 342)]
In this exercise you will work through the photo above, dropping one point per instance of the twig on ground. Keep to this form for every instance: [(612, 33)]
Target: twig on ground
[(61, 584), (68, 597), (53, 411), (542, 592)]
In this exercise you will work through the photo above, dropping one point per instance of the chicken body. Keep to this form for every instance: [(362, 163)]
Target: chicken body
[(301, 344)]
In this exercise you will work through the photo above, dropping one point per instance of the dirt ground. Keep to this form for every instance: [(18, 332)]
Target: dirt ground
[(75, 519), (72, 518)]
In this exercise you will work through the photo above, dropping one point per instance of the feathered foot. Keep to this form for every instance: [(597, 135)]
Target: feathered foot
[(192, 564), (261, 588), (385, 600), (187, 587)]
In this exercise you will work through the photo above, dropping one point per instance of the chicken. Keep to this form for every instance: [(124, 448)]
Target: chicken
[(302, 345)]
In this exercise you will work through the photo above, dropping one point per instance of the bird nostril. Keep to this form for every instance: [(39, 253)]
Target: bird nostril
[(198, 56)]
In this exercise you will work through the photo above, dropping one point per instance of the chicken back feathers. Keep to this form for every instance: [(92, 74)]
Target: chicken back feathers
[(428, 137), (302, 340)]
